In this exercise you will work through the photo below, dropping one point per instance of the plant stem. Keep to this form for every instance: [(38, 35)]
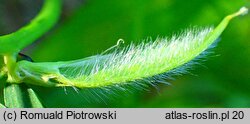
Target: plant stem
[(10, 62), (47, 18), (19, 95)]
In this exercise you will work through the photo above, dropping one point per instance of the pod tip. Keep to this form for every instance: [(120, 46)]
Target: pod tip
[(243, 10)]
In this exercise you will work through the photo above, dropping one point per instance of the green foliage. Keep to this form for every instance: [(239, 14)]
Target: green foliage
[(12, 44), (20, 96), (61, 74), (2, 106)]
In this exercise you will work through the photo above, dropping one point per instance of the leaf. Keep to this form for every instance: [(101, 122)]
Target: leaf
[(146, 61), (14, 97), (2, 106), (20, 96), (34, 100)]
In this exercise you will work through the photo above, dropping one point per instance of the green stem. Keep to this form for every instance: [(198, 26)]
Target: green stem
[(19, 95), (10, 62), (48, 16)]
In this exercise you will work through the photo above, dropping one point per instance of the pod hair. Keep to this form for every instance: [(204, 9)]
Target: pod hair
[(142, 64)]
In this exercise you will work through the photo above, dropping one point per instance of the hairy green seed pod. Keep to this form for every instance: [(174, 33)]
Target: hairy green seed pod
[(132, 63)]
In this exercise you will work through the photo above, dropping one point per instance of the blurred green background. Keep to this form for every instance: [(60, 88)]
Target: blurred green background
[(88, 27)]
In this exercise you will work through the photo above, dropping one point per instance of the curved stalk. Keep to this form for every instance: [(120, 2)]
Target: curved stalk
[(48, 16)]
